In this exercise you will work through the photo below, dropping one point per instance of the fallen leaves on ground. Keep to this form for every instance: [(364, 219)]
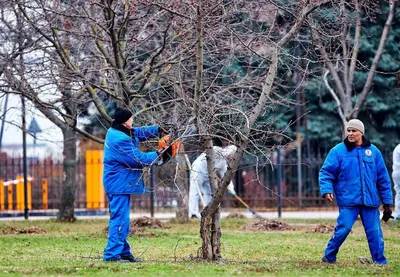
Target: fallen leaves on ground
[(322, 229), (145, 221), (267, 225), (138, 224), (26, 230)]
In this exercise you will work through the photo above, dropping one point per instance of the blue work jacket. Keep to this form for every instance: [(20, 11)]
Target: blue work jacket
[(124, 162), (356, 175)]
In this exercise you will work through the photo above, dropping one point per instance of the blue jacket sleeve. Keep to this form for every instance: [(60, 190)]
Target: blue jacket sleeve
[(383, 183), (130, 155), (145, 132), (328, 173)]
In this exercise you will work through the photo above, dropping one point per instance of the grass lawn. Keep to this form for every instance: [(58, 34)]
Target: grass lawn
[(76, 250)]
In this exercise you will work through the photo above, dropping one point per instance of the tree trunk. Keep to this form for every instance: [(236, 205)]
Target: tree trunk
[(210, 227), (210, 233), (66, 211), (182, 183)]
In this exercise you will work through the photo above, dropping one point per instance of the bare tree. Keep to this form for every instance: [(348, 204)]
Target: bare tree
[(88, 56), (230, 103), (339, 42)]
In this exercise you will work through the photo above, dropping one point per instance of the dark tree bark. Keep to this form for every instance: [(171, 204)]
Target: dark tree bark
[(66, 210)]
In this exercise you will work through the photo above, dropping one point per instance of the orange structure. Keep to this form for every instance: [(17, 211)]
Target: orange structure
[(2, 204), (45, 194), (10, 197), (20, 193), (95, 196)]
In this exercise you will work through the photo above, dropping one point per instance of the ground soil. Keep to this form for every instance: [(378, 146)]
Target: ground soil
[(266, 225), (148, 222), (141, 223), (322, 229), (26, 230)]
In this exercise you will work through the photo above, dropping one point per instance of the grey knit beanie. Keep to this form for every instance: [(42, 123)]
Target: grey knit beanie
[(356, 124)]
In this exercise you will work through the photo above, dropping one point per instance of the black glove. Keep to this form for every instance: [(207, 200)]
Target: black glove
[(387, 213), (165, 155)]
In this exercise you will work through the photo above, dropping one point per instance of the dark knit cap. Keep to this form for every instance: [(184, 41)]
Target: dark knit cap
[(122, 115)]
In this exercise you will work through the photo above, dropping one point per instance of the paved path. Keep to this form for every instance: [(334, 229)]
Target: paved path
[(165, 216)]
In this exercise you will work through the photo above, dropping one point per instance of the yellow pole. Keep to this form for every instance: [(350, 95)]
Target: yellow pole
[(95, 196), (45, 194), (89, 179), (20, 193), (2, 205), (10, 196), (30, 193), (95, 178), (100, 181)]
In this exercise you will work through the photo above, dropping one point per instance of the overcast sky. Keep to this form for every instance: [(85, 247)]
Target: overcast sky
[(49, 141)]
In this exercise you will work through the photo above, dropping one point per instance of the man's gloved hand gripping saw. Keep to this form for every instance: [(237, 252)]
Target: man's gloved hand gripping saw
[(168, 145)]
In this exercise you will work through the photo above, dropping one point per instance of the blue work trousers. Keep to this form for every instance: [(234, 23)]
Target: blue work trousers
[(118, 227), (371, 221)]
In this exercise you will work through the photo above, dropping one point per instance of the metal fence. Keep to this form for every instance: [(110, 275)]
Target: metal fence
[(257, 185)]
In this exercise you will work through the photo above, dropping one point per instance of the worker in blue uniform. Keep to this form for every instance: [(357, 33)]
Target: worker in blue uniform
[(354, 173), (123, 176)]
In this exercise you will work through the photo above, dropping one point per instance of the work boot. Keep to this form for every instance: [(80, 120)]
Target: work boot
[(131, 259), (325, 260), (117, 260)]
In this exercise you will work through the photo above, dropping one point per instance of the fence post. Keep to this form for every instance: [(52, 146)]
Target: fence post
[(89, 180), (299, 176), (45, 194), (152, 191), (20, 192), (2, 196), (24, 194), (95, 196), (28, 200), (279, 172), (102, 195), (10, 196)]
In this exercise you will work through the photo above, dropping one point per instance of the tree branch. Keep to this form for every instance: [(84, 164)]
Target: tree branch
[(338, 104), (382, 43), (356, 48)]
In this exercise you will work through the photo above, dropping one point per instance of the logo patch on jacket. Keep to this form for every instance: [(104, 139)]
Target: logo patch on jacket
[(368, 152)]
